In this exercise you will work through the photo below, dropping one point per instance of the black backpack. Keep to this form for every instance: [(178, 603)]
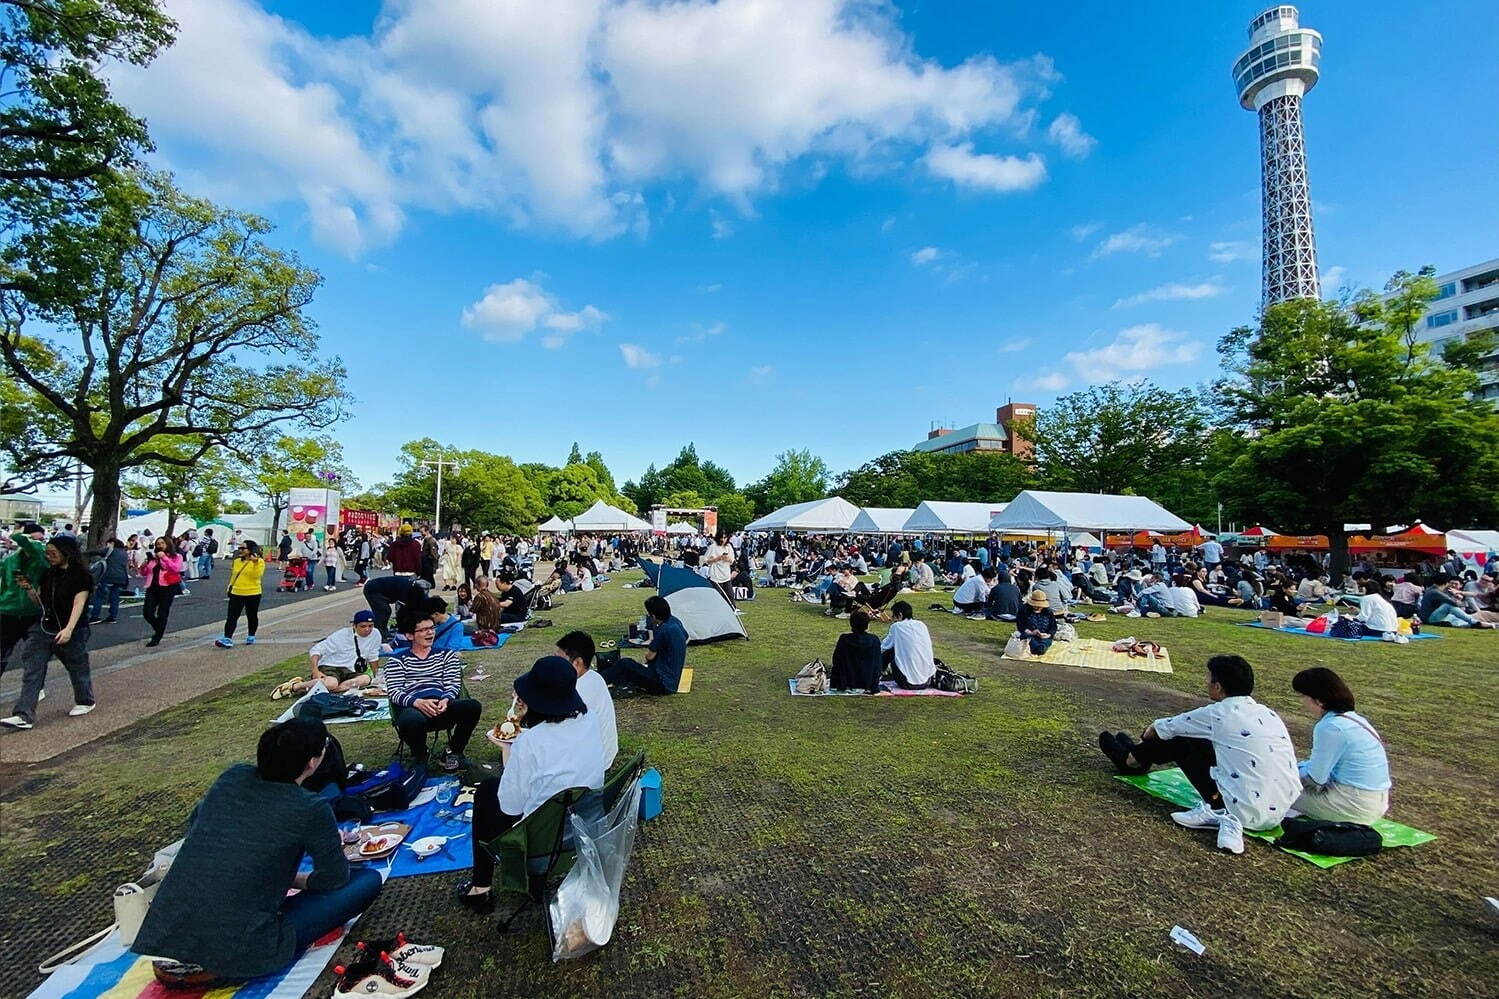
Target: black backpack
[(1332, 839)]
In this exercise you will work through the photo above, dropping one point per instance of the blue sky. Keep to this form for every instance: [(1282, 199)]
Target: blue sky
[(769, 224)]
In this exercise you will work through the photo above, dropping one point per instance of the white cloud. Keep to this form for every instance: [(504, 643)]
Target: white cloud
[(702, 333), (1174, 292), (637, 356), (710, 289), (1067, 132), (1083, 230), (509, 311), (760, 373), (1332, 279), (1139, 238), (1016, 345), (1228, 251), (1138, 348), (722, 227), (1046, 381), (559, 115), (888, 224), (985, 171), (925, 255)]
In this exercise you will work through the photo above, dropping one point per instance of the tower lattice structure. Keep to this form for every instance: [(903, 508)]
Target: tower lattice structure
[(1272, 75)]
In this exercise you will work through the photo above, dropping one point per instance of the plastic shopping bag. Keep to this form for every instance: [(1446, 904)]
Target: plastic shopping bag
[(586, 906)]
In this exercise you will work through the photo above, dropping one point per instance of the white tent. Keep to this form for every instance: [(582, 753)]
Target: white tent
[(155, 522), (1036, 510), (1471, 543), (603, 517), (824, 516), (681, 527), (880, 520), (257, 526), (1082, 539), (938, 517), (555, 525)]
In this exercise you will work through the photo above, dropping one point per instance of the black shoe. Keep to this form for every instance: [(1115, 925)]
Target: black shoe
[(111, 620), (452, 762), (153, 643), (483, 903), (1109, 743)]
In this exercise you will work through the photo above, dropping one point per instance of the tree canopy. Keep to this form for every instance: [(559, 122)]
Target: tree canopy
[(1341, 416), (907, 478)]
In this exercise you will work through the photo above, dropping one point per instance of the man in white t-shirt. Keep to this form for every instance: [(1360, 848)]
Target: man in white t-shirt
[(577, 648), (970, 597), (718, 560), (1235, 751), (1212, 553), (907, 649)]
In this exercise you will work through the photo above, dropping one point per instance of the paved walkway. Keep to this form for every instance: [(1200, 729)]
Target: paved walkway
[(132, 682)]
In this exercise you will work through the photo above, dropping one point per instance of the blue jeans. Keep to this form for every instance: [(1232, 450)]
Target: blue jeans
[(311, 914), (1443, 612), (332, 574), (1040, 645), (113, 589), (205, 566), (1147, 602)]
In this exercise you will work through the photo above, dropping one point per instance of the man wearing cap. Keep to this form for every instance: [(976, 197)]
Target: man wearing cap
[(426, 694), (559, 747), (1037, 623), (344, 661)]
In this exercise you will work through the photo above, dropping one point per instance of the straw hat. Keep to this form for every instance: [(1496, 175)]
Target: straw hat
[(1038, 599), (1134, 574)]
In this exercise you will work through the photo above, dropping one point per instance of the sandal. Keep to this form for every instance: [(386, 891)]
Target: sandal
[(606, 645), (286, 689), (482, 903)]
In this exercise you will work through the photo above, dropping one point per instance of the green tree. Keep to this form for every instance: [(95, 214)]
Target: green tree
[(156, 321), (60, 130), (285, 461), (797, 477), (906, 478), (734, 511), (1340, 417), (1131, 438), (195, 488), (575, 457), (483, 492), (686, 474), (237, 506), (595, 461)]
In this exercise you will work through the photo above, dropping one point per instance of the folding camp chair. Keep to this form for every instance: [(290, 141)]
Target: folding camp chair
[(432, 737), (540, 846)]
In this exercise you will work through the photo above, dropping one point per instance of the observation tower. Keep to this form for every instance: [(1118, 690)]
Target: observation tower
[(1280, 65)]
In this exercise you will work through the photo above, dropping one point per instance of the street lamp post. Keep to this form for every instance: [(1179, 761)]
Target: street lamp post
[(438, 463)]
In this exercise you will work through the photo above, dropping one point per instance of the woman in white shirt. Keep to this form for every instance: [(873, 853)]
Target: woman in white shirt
[(1181, 598), (1376, 615), (559, 747)]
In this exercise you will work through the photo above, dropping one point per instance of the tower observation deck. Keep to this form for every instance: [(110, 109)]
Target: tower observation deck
[(1279, 66)]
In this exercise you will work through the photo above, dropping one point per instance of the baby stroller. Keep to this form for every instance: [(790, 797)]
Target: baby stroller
[(293, 575)]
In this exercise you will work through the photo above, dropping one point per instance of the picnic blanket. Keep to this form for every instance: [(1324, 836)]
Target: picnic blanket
[(109, 971), (382, 713), (1318, 634), (1172, 785), (888, 688), (423, 821), (1094, 653)]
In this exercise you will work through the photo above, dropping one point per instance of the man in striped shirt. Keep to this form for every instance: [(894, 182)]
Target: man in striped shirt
[(426, 688)]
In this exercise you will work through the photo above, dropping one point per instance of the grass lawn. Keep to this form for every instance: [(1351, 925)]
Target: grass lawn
[(890, 846)]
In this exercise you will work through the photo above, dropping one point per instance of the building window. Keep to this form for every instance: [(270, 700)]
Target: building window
[(1441, 319), (1447, 290), (1479, 281)]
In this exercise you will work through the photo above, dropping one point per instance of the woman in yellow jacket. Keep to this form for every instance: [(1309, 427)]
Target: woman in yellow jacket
[(245, 573)]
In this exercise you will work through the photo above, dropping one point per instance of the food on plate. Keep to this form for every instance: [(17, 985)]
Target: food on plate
[(377, 844)]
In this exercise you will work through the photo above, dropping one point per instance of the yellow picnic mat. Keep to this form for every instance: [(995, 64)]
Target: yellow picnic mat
[(684, 685), (1095, 654)]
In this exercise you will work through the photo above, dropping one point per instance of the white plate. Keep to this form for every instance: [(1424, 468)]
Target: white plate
[(423, 796)]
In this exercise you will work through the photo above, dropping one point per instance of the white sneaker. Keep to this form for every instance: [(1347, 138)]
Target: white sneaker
[(1230, 833), (79, 710), (15, 721), (1201, 817), (41, 695)]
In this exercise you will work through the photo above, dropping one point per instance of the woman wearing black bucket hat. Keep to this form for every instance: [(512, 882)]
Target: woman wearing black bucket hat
[(557, 748)]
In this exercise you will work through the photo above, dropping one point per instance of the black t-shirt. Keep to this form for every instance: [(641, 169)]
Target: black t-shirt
[(519, 601), (58, 588)]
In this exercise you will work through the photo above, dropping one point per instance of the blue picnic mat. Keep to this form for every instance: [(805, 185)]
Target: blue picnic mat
[(457, 855), (1318, 634), (464, 644)]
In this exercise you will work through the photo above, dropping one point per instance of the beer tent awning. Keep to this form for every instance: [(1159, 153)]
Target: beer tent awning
[(1041, 510), (824, 516)]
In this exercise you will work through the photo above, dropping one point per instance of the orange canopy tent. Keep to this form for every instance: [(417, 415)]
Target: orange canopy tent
[(1144, 539), (1292, 542), (1416, 538)]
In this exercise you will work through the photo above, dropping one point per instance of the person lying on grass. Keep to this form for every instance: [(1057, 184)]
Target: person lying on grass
[(343, 662), (222, 907), (1234, 751), (1347, 777), (907, 650), (559, 747)]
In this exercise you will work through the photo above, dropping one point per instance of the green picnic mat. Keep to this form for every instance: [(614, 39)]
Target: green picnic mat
[(1172, 785)]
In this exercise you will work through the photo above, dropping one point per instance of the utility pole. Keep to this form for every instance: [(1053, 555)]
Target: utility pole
[(438, 463)]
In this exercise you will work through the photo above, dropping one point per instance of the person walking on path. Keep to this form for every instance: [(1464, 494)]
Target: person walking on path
[(62, 631), (245, 574), (18, 611), (113, 580), (163, 573)]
